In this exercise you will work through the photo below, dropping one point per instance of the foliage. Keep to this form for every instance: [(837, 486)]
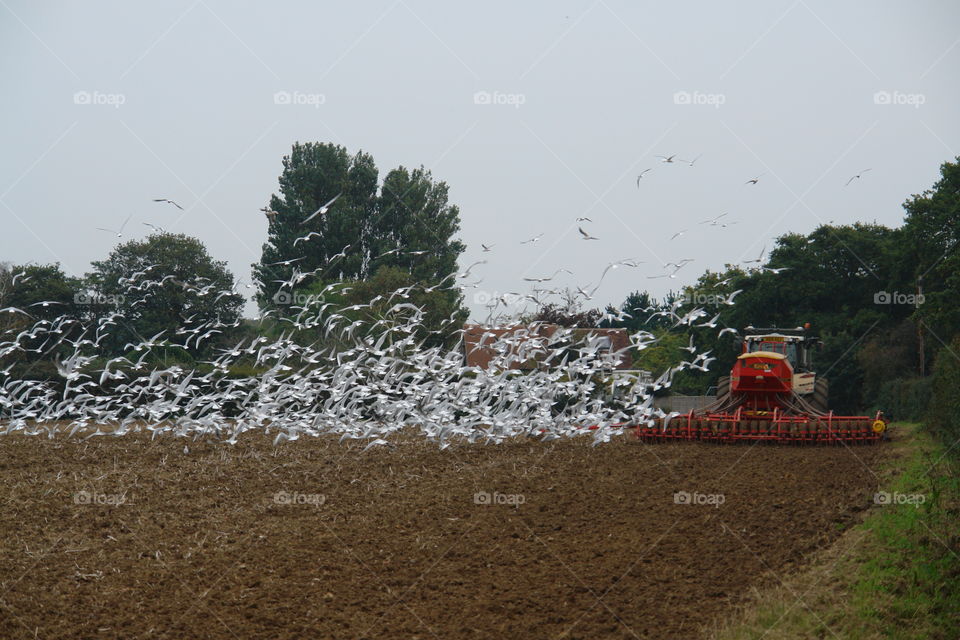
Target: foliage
[(409, 224), (944, 412), (162, 283)]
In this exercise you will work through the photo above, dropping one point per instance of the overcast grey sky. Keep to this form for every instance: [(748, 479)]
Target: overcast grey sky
[(107, 105)]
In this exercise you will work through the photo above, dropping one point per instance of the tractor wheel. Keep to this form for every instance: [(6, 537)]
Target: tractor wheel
[(820, 399), (723, 386)]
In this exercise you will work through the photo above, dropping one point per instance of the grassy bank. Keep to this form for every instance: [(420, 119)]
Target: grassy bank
[(895, 575)]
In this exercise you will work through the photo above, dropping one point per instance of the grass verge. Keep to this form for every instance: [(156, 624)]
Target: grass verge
[(895, 575)]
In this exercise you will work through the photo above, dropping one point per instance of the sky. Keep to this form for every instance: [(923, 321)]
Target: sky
[(534, 113)]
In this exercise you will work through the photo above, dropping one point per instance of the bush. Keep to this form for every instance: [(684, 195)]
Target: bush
[(905, 398), (943, 417)]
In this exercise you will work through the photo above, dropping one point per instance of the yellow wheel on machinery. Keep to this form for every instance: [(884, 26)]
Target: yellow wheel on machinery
[(879, 426)]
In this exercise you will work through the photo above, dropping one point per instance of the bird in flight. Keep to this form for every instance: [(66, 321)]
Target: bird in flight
[(486, 248), (678, 234), (641, 175), (729, 300), (667, 158), (270, 213), (754, 180), (547, 278), (584, 218), (695, 159), (307, 237), (536, 239), (119, 231), (168, 201), (856, 176), (322, 210), (586, 236), (714, 221), (759, 259)]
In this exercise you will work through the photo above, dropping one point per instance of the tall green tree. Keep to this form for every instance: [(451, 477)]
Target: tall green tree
[(408, 224), (44, 294), (932, 240), (160, 284)]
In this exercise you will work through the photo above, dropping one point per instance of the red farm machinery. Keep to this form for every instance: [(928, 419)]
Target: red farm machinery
[(772, 394)]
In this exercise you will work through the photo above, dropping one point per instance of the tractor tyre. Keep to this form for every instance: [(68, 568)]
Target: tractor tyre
[(820, 399), (723, 386)]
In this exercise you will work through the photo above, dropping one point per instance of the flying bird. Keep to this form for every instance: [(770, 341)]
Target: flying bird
[(168, 201), (714, 221), (119, 231), (729, 300), (759, 259), (535, 239), (641, 175), (486, 248), (754, 180), (322, 210), (547, 279), (586, 236), (667, 158), (678, 234), (856, 176), (307, 237)]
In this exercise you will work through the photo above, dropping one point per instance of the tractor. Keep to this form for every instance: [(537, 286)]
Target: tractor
[(772, 394)]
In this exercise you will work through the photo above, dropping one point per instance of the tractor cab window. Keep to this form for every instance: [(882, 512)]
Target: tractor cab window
[(789, 349)]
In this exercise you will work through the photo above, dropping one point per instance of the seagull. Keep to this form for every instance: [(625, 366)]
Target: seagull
[(586, 236), (120, 231), (713, 221), (712, 323), (154, 227), (536, 239), (667, 158), (486, 248), (856, 176), (695, 159), (307, 237), (730, 330), (270, 213), (641, 175), (467, 272), (754, 180), (285, 262), (678, 234), (168, 201), (774, 271), (321, 210), (584, 218), (729, 300), (759, 259), (548, 278)]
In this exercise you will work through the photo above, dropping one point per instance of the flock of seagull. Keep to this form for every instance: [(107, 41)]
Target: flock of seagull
[(369, 372)]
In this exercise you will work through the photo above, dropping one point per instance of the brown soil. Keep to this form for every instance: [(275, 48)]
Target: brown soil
[(399, 548)]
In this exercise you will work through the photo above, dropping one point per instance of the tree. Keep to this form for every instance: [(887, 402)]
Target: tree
[(409, 224), (29, 286), (161, 284), (932, 236), (44, 294)]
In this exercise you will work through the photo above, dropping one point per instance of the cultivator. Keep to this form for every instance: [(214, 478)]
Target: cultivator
[(777, 427), (771, 395)]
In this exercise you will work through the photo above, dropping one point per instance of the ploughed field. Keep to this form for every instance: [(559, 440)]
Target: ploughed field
[(129, 537)]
